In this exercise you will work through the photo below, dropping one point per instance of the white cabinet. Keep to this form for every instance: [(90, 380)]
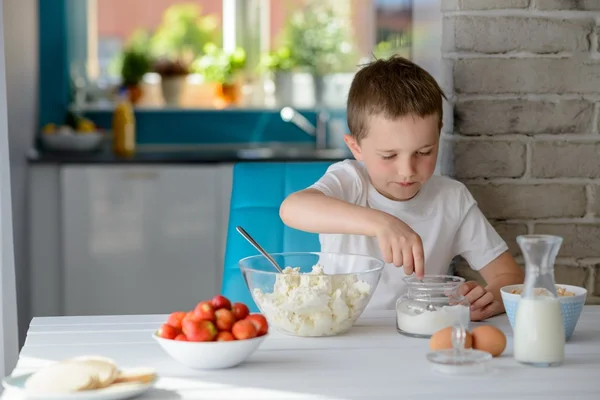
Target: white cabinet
[(141, 239)]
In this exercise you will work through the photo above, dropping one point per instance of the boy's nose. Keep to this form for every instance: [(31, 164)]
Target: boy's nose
[(406, 169)]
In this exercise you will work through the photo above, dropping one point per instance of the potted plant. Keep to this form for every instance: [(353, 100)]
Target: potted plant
[(173, 74), (224, 68), (281, 64), (136, 63), (177, 42), (132, 64), (319, 42)]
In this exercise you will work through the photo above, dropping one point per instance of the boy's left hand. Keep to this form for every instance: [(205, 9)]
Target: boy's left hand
[(483, 303)]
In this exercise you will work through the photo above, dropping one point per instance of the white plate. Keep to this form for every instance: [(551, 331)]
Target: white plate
[(120, 391)]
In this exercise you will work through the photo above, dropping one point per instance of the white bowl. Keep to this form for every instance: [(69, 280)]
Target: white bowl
[(72, 142), (571, 306), (210, 355)]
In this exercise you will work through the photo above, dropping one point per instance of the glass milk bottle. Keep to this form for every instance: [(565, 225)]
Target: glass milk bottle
[(539, 335)]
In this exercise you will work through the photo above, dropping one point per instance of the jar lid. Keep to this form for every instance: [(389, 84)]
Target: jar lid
[(434, 281), (458, 360)]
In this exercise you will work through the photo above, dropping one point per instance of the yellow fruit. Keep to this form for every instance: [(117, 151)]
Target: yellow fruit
[(49, 129), (85, 126)]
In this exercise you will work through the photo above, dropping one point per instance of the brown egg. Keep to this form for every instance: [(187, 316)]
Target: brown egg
[(442, 340), (489, 338)]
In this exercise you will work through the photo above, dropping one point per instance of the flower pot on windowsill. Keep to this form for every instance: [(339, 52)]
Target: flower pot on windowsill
[(319, 89), (284, 88), (172, 88), (134, 93), (173, 76), (228, 94)]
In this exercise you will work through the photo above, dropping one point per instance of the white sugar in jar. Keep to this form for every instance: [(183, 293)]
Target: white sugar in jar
[(431, 304)]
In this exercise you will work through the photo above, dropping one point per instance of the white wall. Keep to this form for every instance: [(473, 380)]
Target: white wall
[(8, 307), (20, 26)]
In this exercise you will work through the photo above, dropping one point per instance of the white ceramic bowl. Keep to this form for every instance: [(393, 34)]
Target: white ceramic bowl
[(72, 142), (571, 306), (210, 355)]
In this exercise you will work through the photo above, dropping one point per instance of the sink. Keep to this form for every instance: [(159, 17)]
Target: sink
[(291, 153)]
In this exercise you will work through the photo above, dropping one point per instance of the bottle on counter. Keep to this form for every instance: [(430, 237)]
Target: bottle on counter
[(539, 335), (123, 125)]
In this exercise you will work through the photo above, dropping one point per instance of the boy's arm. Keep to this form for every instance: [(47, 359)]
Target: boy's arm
[(312, 211), (487, 302), (479, 243), (503, 271)]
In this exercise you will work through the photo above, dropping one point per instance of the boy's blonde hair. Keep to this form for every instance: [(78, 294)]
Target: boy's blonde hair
[(391, 88)]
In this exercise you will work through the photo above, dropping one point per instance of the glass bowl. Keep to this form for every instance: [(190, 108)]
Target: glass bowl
[(318, 294)]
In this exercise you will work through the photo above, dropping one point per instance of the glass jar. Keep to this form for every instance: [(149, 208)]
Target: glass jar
[(538, 334), (431, 304)]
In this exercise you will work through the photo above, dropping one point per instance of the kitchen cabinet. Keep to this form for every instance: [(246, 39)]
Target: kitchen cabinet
[(139, 239), (127, 239)]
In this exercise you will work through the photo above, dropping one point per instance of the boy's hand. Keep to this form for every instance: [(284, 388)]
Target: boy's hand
[(401, 245), (483, 303)]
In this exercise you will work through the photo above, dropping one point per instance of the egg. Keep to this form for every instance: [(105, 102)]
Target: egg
[(489, 338), (442, 340)]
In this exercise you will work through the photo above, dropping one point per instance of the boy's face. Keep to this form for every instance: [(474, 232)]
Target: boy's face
[(400, 155)]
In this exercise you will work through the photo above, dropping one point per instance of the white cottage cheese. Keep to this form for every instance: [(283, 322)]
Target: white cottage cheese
[(313, 304)]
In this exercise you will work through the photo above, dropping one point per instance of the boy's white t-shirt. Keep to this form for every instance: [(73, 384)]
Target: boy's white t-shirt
[(443, 213)]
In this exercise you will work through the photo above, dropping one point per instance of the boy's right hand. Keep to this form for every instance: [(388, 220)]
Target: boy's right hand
[(401, 245)]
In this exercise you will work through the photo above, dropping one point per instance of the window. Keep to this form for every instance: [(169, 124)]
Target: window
[(231, 53)]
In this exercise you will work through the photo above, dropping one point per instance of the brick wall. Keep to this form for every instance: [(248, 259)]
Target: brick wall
[(524, 79)]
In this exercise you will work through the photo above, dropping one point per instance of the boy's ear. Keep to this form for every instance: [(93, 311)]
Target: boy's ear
[(353, 146)]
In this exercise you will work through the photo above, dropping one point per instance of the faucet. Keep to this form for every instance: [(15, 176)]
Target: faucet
[(288, 114)]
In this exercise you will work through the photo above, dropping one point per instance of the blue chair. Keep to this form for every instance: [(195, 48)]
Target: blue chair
[(258, 191)]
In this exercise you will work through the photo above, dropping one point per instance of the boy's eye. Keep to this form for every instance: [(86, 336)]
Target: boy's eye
[(424, 153), (388, 157)]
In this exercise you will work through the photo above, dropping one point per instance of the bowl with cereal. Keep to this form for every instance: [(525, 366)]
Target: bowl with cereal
[(571, 298)]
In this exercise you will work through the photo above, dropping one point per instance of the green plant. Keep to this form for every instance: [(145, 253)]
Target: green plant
[(183, 33), (135, 60), (136, 63), (319, 39), (392, 46), (278, 60), (218, 66)]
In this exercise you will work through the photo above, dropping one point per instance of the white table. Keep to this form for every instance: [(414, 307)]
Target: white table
[(371, 362)]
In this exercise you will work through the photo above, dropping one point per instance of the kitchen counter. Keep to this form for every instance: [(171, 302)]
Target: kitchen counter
[(194, 156)]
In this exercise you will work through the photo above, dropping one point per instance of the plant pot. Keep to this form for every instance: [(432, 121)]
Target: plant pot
[(172, 87), (134, 93), (319, 90), (284, 88), (227, 94)]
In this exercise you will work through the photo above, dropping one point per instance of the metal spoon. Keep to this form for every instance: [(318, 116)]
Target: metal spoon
[(258, 247)]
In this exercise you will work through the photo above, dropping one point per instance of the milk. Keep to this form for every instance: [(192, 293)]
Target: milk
[(539, 335)]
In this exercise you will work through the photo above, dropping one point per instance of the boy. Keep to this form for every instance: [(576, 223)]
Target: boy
[(387, 204)]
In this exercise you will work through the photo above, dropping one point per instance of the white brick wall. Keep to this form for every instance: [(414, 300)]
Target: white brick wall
[(526, 139)]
